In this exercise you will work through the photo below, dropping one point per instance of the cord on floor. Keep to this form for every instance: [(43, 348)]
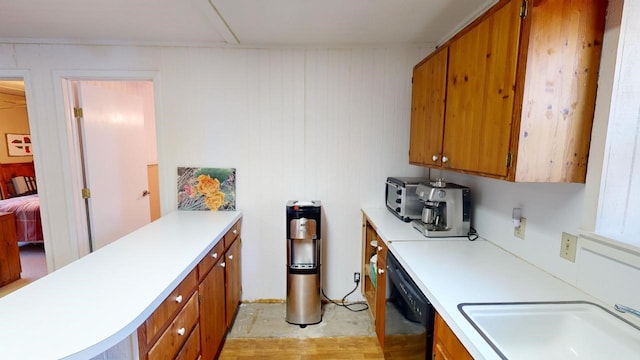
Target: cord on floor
[(348, 306)]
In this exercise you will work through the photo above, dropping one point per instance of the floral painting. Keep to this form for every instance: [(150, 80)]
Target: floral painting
[(206, 188)]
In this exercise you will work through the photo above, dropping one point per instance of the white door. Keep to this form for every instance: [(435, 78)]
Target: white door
[(113, 139)]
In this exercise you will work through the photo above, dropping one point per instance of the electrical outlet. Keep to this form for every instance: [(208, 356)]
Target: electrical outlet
[(356, 277), (568, 247), (519, 231)]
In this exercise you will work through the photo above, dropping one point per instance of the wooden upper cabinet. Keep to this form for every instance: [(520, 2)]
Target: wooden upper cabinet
[(520, 93), (427, 108), (560, 66), (480, 94)]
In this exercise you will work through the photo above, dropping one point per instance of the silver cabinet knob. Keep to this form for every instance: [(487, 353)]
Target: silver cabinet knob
[(434, 158), (445, 159), (179, 299)]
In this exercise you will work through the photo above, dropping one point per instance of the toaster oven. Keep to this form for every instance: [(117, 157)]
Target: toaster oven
[(401, 197)]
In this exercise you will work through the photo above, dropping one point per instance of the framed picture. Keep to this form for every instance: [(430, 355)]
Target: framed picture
[(210, 189), (19, 145)]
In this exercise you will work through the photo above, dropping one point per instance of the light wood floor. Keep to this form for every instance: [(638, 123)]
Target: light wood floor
[(302, 349)]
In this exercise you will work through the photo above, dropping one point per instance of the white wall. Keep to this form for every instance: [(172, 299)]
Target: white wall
[(327, 124), (301, 124)]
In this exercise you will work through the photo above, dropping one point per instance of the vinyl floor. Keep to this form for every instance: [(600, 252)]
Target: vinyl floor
[(260, 331)]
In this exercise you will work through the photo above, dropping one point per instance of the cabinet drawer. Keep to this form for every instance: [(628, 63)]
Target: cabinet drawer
[(158, 320), (177, 333), (232, 234), (191, 349), (210, 259)]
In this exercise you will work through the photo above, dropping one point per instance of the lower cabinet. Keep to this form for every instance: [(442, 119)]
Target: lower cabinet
[(213, 326), (373, 275), (446, 345), (192, 322), (233, 278)]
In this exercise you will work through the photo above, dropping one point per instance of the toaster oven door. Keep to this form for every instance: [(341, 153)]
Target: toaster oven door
[(394, 197)]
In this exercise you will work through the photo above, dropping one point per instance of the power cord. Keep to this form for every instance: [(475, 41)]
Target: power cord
[(348, 306), (472, 235)]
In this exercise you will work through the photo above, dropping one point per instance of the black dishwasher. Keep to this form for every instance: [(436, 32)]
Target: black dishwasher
[(409, 316)]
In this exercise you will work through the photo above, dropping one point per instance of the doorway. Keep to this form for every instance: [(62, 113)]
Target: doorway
[(17, 163), (115, 125)]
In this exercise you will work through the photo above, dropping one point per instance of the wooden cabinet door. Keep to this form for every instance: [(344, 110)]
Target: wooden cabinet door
[(10, 267), (427, 109), (381, 289), (446, 345), (213, 325), (480, 94), (233, 280)]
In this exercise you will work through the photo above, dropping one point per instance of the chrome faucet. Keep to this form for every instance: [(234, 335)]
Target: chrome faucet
[(626, 309)]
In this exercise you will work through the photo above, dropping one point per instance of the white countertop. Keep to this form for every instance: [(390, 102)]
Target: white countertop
[(453, 272), (88, 306)]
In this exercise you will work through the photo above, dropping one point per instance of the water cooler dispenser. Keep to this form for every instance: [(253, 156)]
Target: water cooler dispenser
[(303, 263)]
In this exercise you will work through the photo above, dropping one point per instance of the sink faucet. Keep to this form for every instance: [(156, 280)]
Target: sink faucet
[(626, 309)]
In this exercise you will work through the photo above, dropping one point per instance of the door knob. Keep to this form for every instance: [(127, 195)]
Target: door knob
[(434, 158), (145, 193), (445, 159)]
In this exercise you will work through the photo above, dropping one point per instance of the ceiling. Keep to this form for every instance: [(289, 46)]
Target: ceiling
[(235, 22)]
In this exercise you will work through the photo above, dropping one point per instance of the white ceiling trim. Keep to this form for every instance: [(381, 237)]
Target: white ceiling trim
[(218, 22)]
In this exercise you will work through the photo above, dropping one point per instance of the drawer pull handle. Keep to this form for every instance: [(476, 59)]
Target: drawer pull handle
[(182, 331), (380, 271), (379, 248), (235, 231), (179, 299), (214, 255), (231, 257), (222, 264)]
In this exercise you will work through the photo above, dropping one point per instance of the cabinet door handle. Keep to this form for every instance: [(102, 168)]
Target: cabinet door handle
[(434, 158), (179, 299), (231, 257), (182, 331), (223, 264), (445, 159), (380, 271), (235, 231), (379, 248), (214, 255)]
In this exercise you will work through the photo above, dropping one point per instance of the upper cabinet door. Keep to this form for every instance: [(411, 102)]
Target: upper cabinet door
[(480, 94), (427, 109)]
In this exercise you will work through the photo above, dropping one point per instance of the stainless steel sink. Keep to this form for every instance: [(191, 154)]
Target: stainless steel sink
[(554, 330)]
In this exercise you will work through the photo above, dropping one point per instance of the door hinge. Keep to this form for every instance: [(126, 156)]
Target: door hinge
[(523, 9), (77, 112), (509, 159), (86, 193)]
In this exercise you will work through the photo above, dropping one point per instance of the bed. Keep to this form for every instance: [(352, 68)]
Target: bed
[(27, 211)]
